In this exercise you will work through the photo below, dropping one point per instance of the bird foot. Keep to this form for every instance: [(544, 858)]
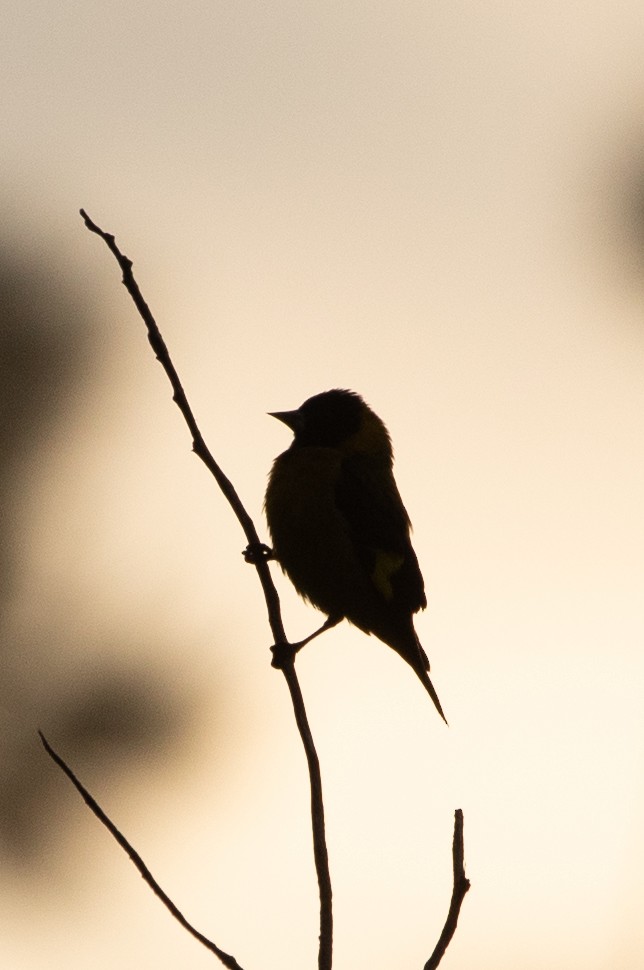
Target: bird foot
[(283, 654), (256, 551)]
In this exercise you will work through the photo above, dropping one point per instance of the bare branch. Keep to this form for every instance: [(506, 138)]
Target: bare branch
[(461, 886), (270, 593), (226, 958), (198, 444), (325, 952)]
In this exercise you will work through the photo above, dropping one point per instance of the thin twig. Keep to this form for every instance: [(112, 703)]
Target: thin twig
[(226, 958), (198, 444), (325, 953), (270, 593), (461, 886)]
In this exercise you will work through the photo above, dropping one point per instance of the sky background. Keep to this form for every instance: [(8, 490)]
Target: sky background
[(440, 206)]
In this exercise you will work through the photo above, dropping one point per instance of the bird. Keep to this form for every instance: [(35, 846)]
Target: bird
[(338, 526)]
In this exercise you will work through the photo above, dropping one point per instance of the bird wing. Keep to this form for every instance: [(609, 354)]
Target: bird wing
[(311, 537), (368, 499)]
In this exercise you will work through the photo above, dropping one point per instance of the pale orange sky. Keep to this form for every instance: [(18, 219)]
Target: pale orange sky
[(438, 206)]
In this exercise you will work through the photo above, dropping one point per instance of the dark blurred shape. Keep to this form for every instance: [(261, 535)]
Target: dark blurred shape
[(99, 715), (120, 710), (634, 208), (44, 342), (120, 715), (615, 194)]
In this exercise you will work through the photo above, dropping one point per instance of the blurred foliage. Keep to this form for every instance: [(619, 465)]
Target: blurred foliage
[(92, 709)]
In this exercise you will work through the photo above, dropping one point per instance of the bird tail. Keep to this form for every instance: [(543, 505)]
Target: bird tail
[(412, 651), (429, 687), (422, 670)]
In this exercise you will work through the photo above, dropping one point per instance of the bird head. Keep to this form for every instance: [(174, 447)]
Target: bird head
[(337, 419)]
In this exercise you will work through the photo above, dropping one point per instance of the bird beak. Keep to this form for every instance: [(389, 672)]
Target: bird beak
[(292, 419)]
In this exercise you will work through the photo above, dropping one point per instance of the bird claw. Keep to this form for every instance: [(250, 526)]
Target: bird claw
[(283, 654), (257, 551)]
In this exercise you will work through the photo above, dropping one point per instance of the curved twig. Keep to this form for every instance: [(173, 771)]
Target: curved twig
[(461, 886), (270, 593)]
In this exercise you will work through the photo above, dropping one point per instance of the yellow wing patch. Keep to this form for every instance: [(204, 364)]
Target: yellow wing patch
[(386, 566)]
